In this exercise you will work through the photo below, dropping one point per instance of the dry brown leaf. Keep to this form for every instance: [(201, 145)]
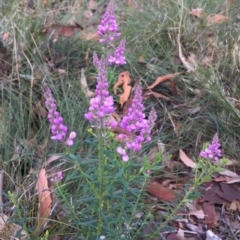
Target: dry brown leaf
[(197, 213), (84, 85), (218, 18), (9, 230), (221, 193), (120, 130), (220, 179), (152, 153), (233, 180), (5, 36), (21, 46), (44, 198), (90, 36), (141, 59), (40, 110), (127, 105), (228, 173), (45, 2), (161, 192), (196, 12), (92, 5), (192, 59), (212, 236), (186, 160), (123, 78), (3, 221), (207, 61), (148, 93), (124, 81), (210, 215), (61, 71), (235, 205), (172, 236), (211, 19), (52, 159), (130, 3), (162, 79), (66, 31), (123, 97), (180, 234)]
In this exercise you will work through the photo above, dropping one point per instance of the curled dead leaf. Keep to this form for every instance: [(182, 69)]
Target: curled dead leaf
[(192, 59), (124, 81), (186, 160), (161, 192), (148, 93), (218, 18), (180, 234), (233, 180), (162, 79), (235, 205), (5, 36), (228, 173), (89, 36), (3, 221), (44, 198), (127, 105), (123, 97), (92, 5), (207, 61), (197, 213), (196, 12), (61, 71), (40, 110), (84, 85), (141, 59), (52, 159), (123, 77), (211, 19), (61, 30), (210, 215), (120, 130)]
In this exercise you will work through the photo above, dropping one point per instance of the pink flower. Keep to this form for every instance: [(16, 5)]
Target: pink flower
[(102, 104), (123, 153), (71, 137), (58, 177), (58, 129), (118, 57), (134, 122), (213, 151), (108, 27)]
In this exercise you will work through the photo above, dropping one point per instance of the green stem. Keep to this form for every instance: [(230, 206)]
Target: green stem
[(100, 179)]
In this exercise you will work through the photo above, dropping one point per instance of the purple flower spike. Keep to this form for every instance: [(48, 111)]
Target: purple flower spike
[(213, 151), (58, 129), (102, 104), (135, 123), (134, 120), (118, 57), (108, 27)]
